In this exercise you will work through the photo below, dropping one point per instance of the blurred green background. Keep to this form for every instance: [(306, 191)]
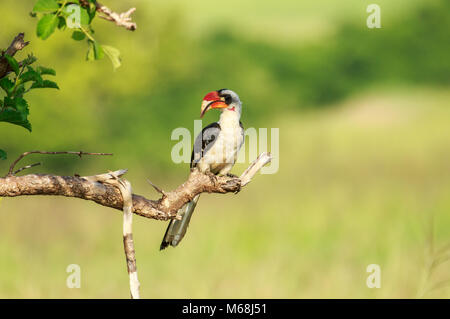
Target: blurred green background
[(364, 175)]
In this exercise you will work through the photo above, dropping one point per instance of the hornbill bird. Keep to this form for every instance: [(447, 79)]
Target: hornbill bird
[(215, 151)]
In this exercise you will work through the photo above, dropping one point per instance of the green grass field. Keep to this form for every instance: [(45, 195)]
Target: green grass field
[(365, 182)]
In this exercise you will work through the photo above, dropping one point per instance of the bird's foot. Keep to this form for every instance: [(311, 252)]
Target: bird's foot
[(238, 190), (234, 178), (212, 177)]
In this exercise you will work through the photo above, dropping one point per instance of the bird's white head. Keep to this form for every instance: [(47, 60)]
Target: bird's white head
[(222, 99)]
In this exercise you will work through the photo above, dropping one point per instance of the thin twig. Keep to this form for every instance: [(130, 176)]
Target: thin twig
[(25, 167), (80, 153), (159, 190)]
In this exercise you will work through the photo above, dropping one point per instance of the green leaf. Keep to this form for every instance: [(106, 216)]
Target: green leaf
[(98, 51), (78, 35), (45, 84), (3, 155), (50, 84), (113, 54), (30, 75), (15, 117), (9, 102), (43, 70), (13, 63), (7, 85), (46, 26), (20, 90), (95, 51), (85, 19), (92, 8), (29, 60), (46, 6), (19, 104), (61, 23), (90, 52), (92, 11), (22, 107)]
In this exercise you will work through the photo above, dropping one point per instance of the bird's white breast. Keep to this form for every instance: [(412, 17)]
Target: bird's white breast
[(222, 155)]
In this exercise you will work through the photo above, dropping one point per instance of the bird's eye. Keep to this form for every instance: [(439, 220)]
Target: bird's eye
[(228, 98)]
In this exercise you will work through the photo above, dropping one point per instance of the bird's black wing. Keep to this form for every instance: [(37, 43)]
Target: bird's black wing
[(242, 131), (204, 141)]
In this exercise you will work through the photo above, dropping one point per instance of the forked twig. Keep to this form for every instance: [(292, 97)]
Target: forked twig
[(80, 153)]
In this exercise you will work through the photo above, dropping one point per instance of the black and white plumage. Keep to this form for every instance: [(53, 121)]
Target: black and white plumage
[(204, 141), (215, 150)]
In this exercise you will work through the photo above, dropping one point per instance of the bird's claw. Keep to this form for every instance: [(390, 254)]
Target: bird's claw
[(239, 183), (212, 177)]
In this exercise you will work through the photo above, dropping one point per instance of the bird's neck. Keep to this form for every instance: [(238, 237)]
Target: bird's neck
[(229, 117)]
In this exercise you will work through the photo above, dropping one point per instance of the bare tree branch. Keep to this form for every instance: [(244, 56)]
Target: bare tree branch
[(17, 44), (111, 190), (95, 189), (128, 243), (121, 19), (263, 159), (159, 190)]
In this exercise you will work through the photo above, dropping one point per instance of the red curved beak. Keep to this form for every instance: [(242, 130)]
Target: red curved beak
[(212, 100)]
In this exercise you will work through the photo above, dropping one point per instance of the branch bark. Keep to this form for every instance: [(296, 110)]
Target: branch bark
[(17, 44), (120, 19), (112, 191), (94, 188), (128, 243)]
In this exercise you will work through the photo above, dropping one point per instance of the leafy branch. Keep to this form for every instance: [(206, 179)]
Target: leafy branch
[(13, 107), (78, 15), (17, 79)]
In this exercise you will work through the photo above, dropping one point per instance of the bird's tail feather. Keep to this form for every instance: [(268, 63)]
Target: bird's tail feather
[(177, 228)]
